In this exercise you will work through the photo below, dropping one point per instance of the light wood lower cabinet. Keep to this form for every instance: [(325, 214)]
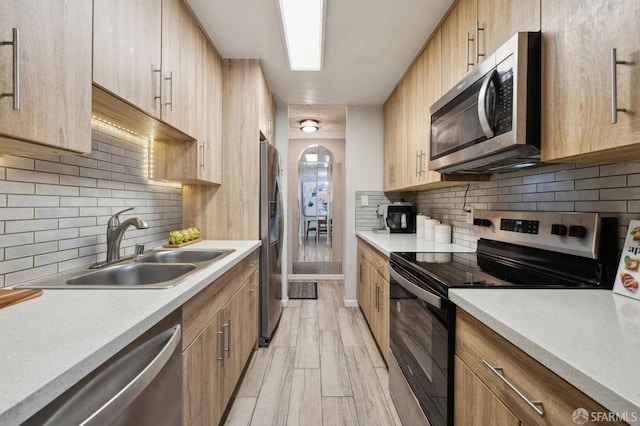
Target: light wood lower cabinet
[(485, 362), (373, 293), (220, 330)]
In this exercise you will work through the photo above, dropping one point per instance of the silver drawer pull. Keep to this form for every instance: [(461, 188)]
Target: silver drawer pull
[(533, 404), (253, 263)]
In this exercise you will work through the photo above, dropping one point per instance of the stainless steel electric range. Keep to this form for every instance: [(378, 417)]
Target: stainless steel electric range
[(515, 250)]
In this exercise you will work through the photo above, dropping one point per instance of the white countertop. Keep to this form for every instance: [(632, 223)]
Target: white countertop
[(48, 343), (590, 338), (387, 243)]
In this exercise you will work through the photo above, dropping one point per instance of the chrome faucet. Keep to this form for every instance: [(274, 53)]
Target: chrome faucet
[(115, 231)]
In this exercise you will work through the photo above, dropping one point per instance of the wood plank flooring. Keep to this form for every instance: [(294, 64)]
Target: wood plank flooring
[(322, 368)]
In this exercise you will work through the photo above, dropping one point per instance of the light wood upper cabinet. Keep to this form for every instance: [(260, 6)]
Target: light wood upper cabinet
[(267, 109), (577, 38), (126, 51), (50, 111), (396, 174), (458, 43), (180, 36), (498, 20)]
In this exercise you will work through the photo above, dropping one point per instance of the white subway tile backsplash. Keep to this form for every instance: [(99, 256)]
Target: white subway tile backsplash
[(610, 189), (54, 209), (57, 167), (14, 226), (30, 250), (9, 213), (45, 189)]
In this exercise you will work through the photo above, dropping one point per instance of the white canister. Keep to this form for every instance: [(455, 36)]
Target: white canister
[(443, 233), (442, 257), (430, 229), (420, 225)]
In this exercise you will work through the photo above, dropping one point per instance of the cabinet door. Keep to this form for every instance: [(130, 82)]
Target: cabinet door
[(432, 92), (389, 142), (209, 163), (53, 79), (577, 99), (382, 336), (413, 116), (501, 19), (266, 113), (203, 366), (362, 268), (180, 35), (249, 325), (234, 360), (458, 43), (475, 404), (126, 50)]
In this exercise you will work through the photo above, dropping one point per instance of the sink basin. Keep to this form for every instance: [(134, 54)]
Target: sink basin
[(133, 275), (154, 269), (182, 256)]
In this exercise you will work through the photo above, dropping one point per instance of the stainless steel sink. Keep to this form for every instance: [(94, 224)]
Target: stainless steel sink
[(182, 256), (133, 275), (154, 269)]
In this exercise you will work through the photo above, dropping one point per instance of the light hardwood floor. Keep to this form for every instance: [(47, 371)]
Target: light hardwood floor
[(322, 368)]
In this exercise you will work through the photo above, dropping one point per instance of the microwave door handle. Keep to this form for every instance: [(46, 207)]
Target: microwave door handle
[(482, 105), (420, 293)]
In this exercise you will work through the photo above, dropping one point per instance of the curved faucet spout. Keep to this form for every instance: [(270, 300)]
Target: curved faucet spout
[(115, 232)]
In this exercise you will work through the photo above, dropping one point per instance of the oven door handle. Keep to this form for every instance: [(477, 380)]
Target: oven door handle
[(420, 293)]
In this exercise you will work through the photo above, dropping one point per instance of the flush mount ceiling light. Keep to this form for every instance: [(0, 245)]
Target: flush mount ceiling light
[(303, 24), (309, 126)]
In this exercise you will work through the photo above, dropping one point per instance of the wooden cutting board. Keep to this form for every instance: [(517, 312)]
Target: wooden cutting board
[(182, 244), (9, 297)]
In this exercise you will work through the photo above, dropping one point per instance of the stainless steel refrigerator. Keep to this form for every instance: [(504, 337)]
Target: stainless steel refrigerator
[(271, 232)]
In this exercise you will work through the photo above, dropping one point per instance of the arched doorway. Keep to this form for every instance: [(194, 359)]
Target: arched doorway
[(316, 225)]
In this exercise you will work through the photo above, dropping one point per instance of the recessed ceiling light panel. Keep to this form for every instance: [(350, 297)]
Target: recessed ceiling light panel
[(309, 126), (303, 23)]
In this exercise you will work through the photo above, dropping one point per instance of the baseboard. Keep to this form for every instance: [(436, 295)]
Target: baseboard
[(315, 277), (284, 303), (350, 303)]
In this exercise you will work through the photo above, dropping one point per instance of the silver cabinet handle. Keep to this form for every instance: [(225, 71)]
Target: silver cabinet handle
[(254, 288), (229, 339), (269, 126), (221, 354), (159, 71), (15, 42), (253, 263), (533, 404), (478, 54), (422, 156), (16, 69), (202, 163), (466, 59), (614, 86), (170, 78), (134, 388), (483, 117), (361, 272)]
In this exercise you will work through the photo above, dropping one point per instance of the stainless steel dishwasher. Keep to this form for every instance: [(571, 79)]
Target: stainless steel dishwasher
[(140, 385)]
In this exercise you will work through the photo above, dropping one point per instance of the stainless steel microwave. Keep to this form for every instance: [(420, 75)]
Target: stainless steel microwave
[(490, 121)]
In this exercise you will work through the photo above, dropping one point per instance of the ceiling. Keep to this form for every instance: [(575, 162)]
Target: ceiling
[(368, 46)]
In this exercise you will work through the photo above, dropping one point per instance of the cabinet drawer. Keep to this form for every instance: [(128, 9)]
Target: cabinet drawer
[(378, 261), (250, 264), (496, 361)]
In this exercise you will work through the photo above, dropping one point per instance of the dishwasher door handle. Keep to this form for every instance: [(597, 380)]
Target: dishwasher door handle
[(420, 293), (135, 387)]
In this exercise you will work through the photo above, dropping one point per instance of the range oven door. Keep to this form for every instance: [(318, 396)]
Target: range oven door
[(421, 340)]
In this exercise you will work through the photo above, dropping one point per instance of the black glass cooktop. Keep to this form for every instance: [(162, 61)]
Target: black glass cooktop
[(498, 265)]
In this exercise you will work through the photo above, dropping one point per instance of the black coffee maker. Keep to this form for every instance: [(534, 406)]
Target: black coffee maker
[(399, 218)]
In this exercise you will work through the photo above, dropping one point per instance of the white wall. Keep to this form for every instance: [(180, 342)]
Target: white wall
[(363, 172)]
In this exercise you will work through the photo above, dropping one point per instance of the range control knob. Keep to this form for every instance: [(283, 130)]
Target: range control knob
[(577, 231), (558, 229), (481, 222)]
